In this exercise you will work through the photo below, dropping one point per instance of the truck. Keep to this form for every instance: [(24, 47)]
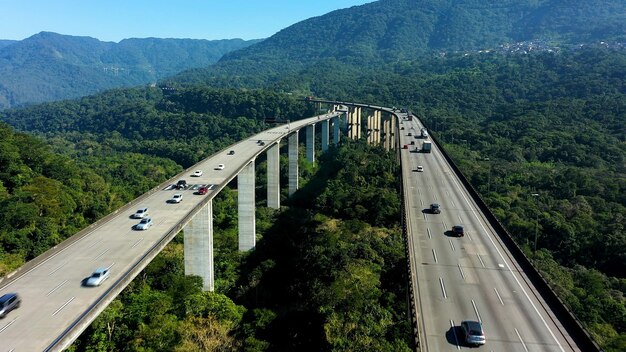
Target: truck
[(426, 146)]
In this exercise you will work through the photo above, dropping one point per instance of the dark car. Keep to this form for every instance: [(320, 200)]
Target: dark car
[(434, 208), (182, 184), (232, 152), (474, 334), (458, 231), (8, 302)]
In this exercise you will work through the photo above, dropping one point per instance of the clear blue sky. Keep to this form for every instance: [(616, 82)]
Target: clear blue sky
[(114, 20)]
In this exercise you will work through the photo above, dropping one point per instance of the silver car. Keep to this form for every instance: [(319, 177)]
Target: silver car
[(98, 277), (8, 302), (144, 224), (141, 213), (474, 334)]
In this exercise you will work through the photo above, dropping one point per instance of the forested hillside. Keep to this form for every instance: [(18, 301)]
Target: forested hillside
[(50, 66), (393, 30)]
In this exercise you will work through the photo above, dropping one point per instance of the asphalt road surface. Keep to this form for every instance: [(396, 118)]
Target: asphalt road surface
[(470, 277)]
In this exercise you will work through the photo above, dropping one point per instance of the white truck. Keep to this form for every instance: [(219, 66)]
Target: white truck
[(427, 146)]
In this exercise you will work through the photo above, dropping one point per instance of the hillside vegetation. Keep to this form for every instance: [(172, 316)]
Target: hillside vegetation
[(400, 30), (50, 66)]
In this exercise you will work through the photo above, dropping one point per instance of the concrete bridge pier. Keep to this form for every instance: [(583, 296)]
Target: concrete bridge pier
[(336, 130), (377, 125), (293, 162), (273, 176), (325, 134), (198, 247), (310, 143), (246, 207)]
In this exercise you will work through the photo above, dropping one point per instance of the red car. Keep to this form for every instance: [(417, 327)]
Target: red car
[(203, 190)]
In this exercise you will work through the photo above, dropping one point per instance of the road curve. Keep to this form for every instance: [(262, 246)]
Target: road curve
[(56, 308)]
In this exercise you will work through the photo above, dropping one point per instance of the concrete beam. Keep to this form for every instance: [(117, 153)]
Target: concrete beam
[(198, 247), (293, 163), (310, 143), (273, 176), (246, 207)]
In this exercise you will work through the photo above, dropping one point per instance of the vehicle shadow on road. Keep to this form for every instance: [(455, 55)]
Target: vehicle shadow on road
[(454, 335)]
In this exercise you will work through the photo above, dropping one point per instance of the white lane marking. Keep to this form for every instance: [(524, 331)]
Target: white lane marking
[(456, 339), (451, 244), (461, 271), (520, 340), (110, 266), (429, 235), (9, 324), (101, 254), (422, 202), (456, 183), (424, 215), (56, 288), (453, 204), (435, 255), (444, 225), (443, 288), (481, 260), (137, 242), (57, 269), (476, 311), (63, 306), (448, 193), (468, 236), (460, 221), (498, 294)]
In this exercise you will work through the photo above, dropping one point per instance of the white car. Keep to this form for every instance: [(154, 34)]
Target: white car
[(98, 277), (177, 198), (420, 168), (141, 213), (220, 167), (197, 173), (144, 224)]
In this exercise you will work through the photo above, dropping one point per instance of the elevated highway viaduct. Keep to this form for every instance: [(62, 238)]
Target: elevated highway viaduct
[(451, 279)]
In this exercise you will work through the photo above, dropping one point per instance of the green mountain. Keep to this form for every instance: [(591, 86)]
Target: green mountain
[(392, 30), (50, 66)]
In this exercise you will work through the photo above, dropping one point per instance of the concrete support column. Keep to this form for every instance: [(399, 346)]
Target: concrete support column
[(336, 130), (369, 132), (198, 247), (310, 143), (246, 207), (358, 122), (273, 176), (325, 134), (386, 128), (293, 163), (395, 142), (378, 123)]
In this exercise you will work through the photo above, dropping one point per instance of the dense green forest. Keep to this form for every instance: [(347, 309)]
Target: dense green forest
[(550, 123)]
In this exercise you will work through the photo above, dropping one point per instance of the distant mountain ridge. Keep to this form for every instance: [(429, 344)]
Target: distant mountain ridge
[(391, 30), (50, 66)]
